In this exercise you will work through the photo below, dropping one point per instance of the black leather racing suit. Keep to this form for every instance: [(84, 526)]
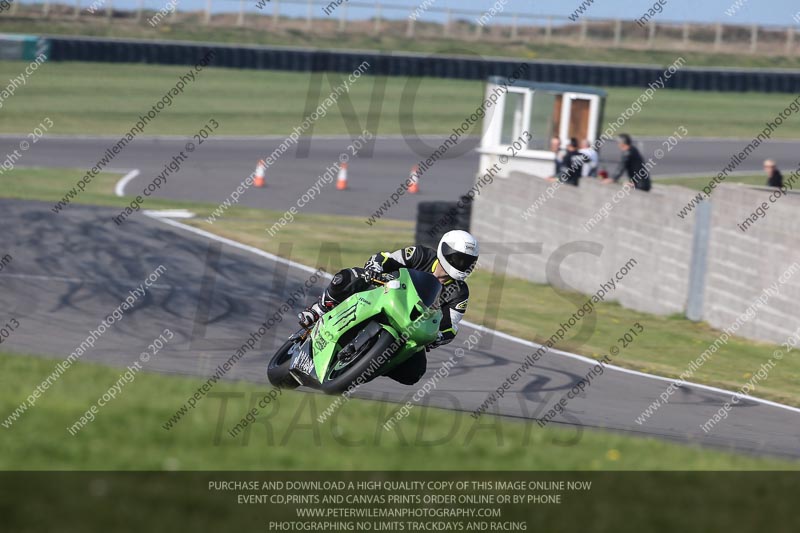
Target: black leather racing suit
[(452, 301)]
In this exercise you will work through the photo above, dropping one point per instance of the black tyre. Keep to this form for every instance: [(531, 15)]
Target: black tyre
[(338, 381), (278, 368), (434, 208)]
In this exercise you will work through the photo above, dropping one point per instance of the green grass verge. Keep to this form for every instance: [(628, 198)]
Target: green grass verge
[(244, 102), (196, 31), (527, 310), (127, 433), (249, 102)]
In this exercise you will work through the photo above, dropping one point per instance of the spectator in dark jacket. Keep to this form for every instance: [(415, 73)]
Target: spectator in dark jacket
[(632, 163), (572, 164), (775, 178)]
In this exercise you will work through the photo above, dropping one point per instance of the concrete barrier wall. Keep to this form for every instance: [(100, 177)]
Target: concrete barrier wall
[(742, 265), (645, 227)]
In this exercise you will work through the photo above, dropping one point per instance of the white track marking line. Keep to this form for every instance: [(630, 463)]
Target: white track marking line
[(236, 244), (119, 190), (500, 334), (170, 213), (628, 370)]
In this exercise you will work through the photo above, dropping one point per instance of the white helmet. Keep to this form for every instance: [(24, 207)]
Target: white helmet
[(458, 253)]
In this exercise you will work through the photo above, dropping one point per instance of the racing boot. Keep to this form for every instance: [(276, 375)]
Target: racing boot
[(309, 316)]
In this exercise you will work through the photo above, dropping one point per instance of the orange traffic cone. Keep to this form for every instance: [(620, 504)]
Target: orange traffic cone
[(261, 170), (414, 177), (341, 181)]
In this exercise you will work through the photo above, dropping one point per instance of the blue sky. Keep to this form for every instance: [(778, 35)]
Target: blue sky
[(777, 12)]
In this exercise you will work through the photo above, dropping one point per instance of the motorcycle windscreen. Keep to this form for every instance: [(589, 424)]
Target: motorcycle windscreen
[(427, 286)]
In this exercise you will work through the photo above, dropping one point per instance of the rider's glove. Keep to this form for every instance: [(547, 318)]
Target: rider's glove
[(367, 275), (375, 268)]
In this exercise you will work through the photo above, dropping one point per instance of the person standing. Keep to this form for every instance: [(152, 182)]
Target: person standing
[(572, 164), (632, 163), (774, 176)]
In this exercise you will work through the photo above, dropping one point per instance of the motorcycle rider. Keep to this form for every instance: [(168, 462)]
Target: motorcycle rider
[(452, 262)]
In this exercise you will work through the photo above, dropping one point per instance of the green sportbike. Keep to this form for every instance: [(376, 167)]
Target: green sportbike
[(365, 336)]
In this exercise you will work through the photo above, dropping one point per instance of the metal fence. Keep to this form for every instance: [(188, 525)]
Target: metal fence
[(426, 20)]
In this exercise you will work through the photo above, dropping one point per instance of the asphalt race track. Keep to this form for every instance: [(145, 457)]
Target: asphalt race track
[(217, 167), (71, 270)]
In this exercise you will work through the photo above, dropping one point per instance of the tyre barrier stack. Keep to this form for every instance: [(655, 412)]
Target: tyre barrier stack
[(465, 65), (434, 219)]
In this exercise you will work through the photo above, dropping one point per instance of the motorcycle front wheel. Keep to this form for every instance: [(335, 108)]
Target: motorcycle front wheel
[(278, 367), (343, 374)]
